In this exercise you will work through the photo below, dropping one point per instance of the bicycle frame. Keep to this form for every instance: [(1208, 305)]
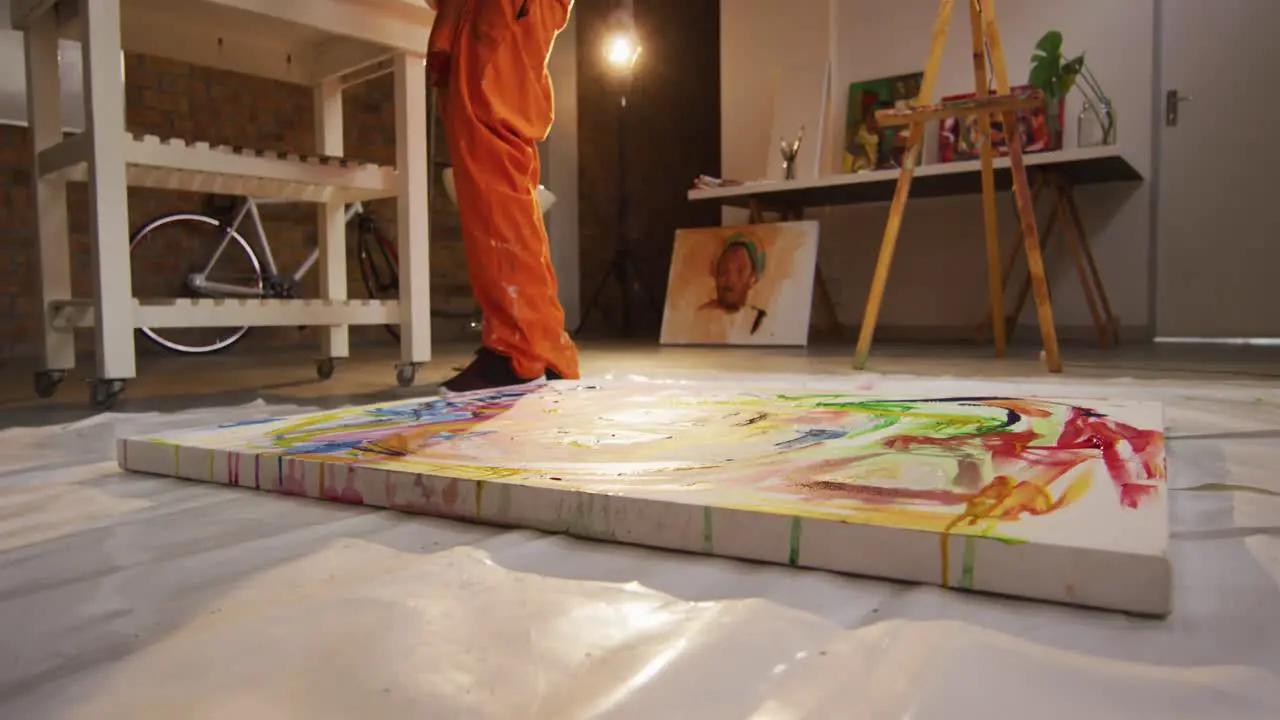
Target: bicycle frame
[(249, 207)]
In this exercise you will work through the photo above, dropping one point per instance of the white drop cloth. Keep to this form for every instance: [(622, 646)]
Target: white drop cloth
[(132, 597)]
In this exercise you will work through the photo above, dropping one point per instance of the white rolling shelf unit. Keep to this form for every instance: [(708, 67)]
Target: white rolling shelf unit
[(327, 45)]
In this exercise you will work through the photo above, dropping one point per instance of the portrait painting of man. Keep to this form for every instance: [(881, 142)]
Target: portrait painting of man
[(749, 285)]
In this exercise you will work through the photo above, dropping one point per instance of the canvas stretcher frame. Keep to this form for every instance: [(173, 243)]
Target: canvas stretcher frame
[(1104, 567)]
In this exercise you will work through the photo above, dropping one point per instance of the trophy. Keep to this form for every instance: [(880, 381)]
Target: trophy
[(789, 152)]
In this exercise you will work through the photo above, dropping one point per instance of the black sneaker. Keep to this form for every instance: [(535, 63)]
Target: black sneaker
[(489, 371)]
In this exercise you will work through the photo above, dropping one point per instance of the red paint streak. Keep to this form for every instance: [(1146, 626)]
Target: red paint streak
[(1085, 436), (291, 480), (422, 503), (347, 493), (233, 469), (450, 494), (876, 495), (1083, 431)]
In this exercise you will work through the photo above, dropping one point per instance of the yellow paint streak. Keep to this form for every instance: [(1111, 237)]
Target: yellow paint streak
[(1005, 499)]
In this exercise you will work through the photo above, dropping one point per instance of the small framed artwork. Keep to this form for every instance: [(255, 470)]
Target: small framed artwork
[(867, 146), (958, 137), (749, 285)]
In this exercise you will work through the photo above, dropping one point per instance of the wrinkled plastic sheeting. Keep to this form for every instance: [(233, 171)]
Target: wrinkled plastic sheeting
[(125, 596), (359, 630)]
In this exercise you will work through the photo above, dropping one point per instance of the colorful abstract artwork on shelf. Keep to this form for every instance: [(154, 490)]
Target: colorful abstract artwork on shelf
[(749, 285), (1050, 499), (867, 146), (958, 137)]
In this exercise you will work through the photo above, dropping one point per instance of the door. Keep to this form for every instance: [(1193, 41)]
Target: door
[(1218, 203)]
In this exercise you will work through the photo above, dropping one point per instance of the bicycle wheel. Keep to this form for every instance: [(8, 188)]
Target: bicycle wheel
[(379, 269), (193, 255)]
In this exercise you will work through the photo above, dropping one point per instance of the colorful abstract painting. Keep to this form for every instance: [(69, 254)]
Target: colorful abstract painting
[(1050, 499), (748, 285), (867, 146), (959, 138)]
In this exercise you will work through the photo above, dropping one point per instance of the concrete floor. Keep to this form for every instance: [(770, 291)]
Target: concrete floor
[(172, 382)]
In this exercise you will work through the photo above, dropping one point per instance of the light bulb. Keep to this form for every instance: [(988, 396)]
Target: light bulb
[(621, 51)]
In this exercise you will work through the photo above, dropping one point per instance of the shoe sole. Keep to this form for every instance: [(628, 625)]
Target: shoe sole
[(531, 385)]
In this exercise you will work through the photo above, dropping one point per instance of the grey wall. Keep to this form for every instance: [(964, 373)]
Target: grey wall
[(560, 170), (938, 283)]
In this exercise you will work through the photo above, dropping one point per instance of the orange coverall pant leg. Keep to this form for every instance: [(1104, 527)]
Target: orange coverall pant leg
[(497, 106)]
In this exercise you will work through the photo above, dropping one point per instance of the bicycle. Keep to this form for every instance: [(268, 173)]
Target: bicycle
[(252, 273)]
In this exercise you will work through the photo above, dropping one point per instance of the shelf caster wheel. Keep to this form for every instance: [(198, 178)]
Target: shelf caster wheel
[(324, 368), (47, 382), (104, 393), (405, 374)]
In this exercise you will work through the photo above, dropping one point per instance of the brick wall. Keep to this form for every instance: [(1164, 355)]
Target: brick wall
[(673, 133), (173, 99)]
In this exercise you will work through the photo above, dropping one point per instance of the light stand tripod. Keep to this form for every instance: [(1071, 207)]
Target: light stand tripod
[(623, 268)]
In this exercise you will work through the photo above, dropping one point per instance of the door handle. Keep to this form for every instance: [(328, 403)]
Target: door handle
[(1171, 102)]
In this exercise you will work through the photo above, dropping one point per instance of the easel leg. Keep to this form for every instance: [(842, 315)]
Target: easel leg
[(44, 113), (911, 158), (986, 11), (1011, 259), (995, 291), (335, 340), (1113, 325), (830, 323), (1035, 262), (1020, 302), (1086, 284), (887, 245)]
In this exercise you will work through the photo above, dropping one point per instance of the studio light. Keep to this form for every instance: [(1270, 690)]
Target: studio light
[(621, 50)]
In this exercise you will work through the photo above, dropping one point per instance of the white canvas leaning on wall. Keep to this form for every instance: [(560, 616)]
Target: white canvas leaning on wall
[(748, 285)]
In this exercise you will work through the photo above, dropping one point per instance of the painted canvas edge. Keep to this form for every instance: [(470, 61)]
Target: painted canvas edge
[(1134, 583), (664, 337)]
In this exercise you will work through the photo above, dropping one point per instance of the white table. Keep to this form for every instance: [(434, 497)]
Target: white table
[(1064, 169), (325, 44), (1079, 166)]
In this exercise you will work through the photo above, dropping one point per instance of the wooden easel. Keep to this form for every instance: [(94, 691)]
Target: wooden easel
[(1063, 209), (985, 34)]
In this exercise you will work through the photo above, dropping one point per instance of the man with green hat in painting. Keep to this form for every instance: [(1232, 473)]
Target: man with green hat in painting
[(736, 271)]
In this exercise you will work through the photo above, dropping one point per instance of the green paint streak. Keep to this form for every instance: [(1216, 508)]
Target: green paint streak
[(793, 557), (504, 501), (479, 498), (708, 535), (966, 570), (1228, 487), (579, 520)]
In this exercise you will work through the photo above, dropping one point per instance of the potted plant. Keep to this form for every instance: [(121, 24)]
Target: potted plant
[(1055, 75)]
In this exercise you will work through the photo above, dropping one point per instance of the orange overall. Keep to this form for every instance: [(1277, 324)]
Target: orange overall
[(489, 60)]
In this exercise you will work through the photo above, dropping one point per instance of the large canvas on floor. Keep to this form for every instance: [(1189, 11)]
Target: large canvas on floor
[(1051, 499), (748, 285)]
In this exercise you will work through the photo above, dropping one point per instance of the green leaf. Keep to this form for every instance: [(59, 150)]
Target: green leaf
[(1042, 75), (1050, 44)]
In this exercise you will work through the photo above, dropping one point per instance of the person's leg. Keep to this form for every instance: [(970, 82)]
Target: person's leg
[(498, 108)]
